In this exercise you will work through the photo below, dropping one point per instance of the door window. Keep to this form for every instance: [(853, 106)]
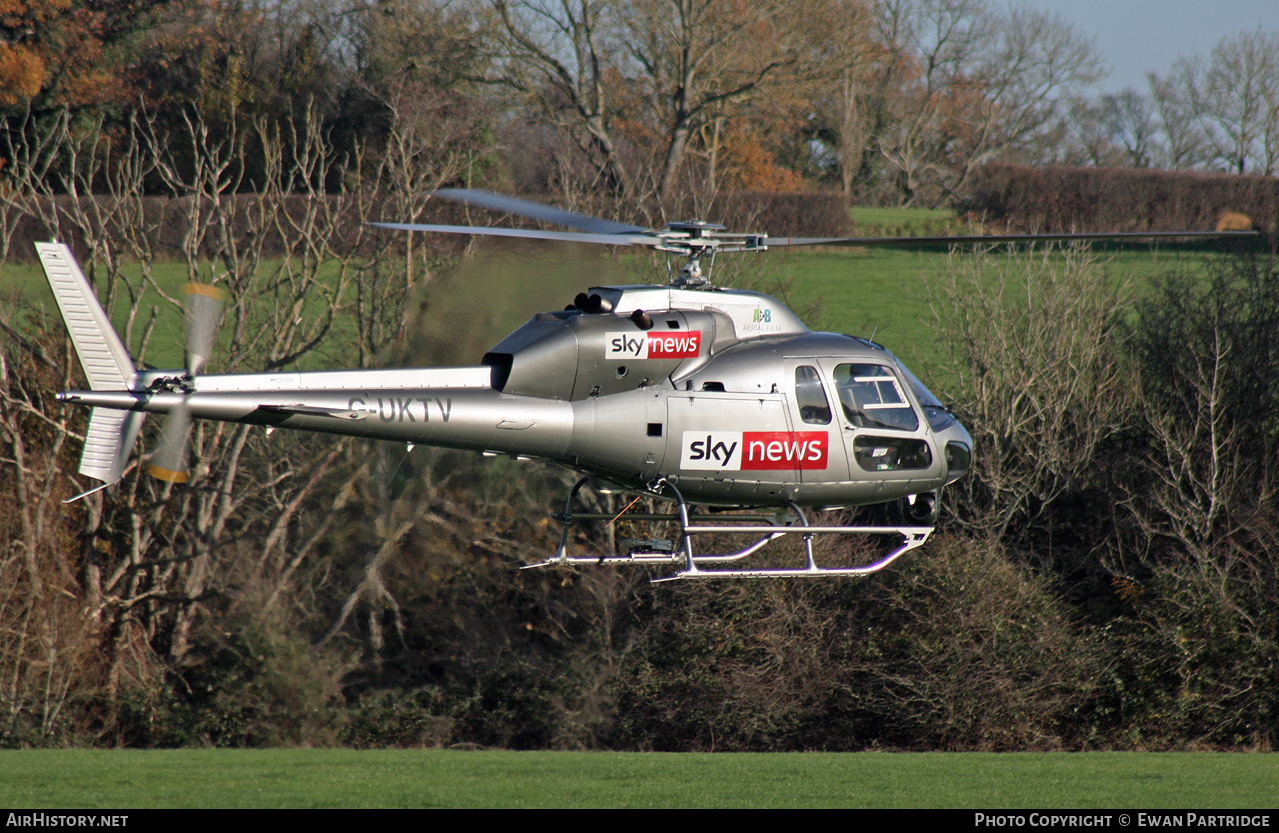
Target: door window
[(814, 408)]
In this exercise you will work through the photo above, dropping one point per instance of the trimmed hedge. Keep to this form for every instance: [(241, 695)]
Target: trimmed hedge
[(782, 213), (1064, 199)]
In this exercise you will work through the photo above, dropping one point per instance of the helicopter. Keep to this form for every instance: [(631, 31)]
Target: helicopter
[(701, 396)]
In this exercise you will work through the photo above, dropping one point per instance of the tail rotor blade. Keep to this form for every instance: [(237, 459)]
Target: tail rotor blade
[(169, 463), (204, 308)]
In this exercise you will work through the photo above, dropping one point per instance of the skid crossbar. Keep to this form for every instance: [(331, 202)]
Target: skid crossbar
[(695, 565)]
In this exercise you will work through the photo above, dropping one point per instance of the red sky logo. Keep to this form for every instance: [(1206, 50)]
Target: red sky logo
[(632, 345), (754, 450)]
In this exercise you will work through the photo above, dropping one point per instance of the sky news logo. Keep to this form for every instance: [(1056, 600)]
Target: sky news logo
[(754, 450), (654, 345)]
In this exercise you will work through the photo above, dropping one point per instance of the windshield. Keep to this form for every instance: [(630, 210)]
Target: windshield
[(938, 415)]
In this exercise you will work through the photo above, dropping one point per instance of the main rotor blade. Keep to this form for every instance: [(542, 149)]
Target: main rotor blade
[(999, 238), (204, 307), (534, 210), (620, 239)]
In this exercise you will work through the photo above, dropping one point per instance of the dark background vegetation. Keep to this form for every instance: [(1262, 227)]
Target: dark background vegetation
[(1104, 578)]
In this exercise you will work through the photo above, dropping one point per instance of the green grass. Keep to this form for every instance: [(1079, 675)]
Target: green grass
[(884, 292), (873, 292), (291, 778), (905, 222), (23, 288)]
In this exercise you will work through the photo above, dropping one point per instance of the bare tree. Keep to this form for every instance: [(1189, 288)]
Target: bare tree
[(1038, 372), (852, 91), (697, 57), (563, 55), (1206, 347), (1116, 130), (296, 261), (1240, 95), (658, 71), (1224, 108), (69, 635), (1184, 141), (971, 84), (1198, 467), (932, 44), (1039, 65), (1197, 507), (1129, 122)]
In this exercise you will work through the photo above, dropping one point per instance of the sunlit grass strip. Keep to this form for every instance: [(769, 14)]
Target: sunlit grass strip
[(293, 778)]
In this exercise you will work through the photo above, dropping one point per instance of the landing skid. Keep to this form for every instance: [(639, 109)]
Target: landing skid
[(694, 565)]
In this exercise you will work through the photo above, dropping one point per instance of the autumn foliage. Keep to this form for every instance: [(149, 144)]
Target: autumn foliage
[(62, 53)]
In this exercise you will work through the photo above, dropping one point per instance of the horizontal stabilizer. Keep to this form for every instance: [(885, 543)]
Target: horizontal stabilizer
[(311, 410)]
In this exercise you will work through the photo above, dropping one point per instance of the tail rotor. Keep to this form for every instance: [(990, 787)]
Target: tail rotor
[(203, 310)]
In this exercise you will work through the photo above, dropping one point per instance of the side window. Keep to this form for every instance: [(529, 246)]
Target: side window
[(872, 398), (813, 405)]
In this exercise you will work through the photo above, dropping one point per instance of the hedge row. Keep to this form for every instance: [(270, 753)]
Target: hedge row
[(1065, 199), (780, 213)]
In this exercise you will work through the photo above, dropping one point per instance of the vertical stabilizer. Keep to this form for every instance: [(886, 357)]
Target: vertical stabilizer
[(107, 442), (102, 354), (105, 360)]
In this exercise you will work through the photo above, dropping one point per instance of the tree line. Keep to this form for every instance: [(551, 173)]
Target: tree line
[(894, 102)]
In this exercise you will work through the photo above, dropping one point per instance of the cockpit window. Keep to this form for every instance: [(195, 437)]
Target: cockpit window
[(872, 397), (811, 397)]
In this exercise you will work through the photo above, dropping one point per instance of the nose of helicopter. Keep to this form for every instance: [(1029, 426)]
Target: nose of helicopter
[(959, 451)]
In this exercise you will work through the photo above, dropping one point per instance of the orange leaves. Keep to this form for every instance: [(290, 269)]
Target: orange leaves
[(752, 166), (22, 62), (21, 73), (14, 14), (62, 53)]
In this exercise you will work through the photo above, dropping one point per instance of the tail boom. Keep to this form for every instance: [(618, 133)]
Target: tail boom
[(474, 418)]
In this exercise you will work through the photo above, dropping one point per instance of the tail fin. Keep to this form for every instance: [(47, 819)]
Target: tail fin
[(107, 442), (105, 360), (102, 354)]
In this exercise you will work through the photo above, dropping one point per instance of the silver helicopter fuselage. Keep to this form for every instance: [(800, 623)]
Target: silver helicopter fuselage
[(722, 392)]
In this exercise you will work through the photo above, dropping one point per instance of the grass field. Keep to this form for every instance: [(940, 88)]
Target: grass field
[(874, 292), (861, 291), (906, 222), (883, 293), (294, 778)]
